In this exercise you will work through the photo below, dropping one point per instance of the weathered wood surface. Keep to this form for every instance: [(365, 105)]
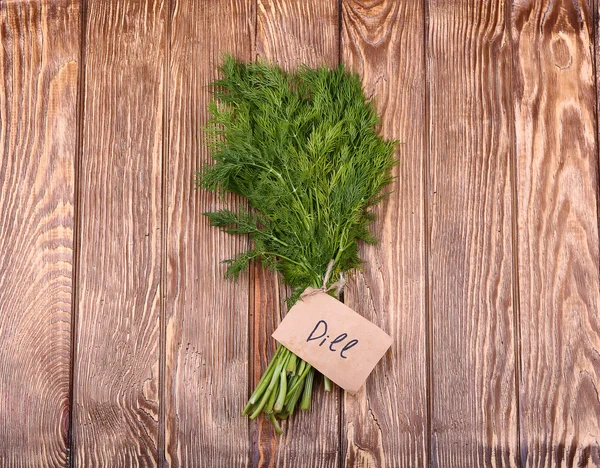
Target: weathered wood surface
[(487, 271), (39, 61), (557, 190), (474, 400), (207, 316), (383, 42), (116, 374)]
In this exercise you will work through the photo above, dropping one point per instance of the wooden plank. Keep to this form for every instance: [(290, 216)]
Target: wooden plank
[(207, 316), (39, 62), (474, 412), (290, 32), (385, 424), (116, 369), (557, 188)]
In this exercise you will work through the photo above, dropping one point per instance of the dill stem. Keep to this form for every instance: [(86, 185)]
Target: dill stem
[(301, 380), (301, 367), (271, 401), (275, 423), (265, 379), (265, 398), (305, 403), (292, 400), (327, 383), (282, 392), (291, 365)]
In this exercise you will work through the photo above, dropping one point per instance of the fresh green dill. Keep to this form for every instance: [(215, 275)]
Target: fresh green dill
[(302, 147)]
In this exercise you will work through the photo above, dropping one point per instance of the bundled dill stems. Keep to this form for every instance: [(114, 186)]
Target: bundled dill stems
[(303, 149)]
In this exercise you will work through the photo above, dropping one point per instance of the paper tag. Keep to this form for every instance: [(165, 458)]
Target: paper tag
[(333, 338)]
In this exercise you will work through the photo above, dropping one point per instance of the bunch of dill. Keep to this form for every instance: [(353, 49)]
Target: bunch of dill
[(302, 147)]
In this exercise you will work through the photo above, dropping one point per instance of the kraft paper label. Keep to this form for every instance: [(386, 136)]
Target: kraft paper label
[(333, 338)]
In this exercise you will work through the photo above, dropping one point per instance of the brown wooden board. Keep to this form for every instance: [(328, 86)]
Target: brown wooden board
[(385, 424), (291, 32), (39, 62), (116, 382), (207, 316), (474, 407), (487, 273), (557, 187)]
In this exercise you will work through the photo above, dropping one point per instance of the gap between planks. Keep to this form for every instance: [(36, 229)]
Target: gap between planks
[(77, 227)]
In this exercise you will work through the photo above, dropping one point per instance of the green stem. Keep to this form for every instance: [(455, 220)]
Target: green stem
[(269, 406), (265, 379), (305, 403), (301, 367), (302, 377), (327, 383), (282, 392), (291, 365), (292, 400), (265, 398), (275, 423)]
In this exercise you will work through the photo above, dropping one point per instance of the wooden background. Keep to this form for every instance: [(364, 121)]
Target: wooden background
[(122, 346)]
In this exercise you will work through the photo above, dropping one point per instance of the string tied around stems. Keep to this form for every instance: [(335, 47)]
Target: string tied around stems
[(338, 286)]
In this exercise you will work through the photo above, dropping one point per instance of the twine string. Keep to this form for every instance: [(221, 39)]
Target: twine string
[(338, 286)]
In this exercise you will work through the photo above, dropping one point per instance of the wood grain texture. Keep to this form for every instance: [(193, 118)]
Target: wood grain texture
[(557, 186), (38, 127), (474, 408), (116, 369), (291, 32), (487, 273), (207, 315), (385, 424)]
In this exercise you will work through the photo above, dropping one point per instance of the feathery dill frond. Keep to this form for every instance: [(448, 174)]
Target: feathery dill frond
[(302, 147)]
